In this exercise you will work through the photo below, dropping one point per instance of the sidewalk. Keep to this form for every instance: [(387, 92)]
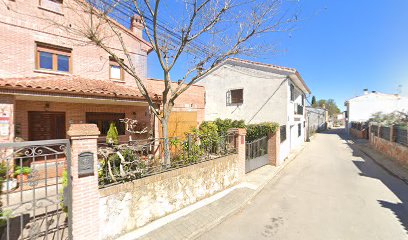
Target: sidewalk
[(192, 221), (391, 166)]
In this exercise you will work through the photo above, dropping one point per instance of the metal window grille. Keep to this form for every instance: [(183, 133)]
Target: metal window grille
[(282, 133)]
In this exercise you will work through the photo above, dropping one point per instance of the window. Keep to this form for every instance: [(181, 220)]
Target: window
[(235, 96), (282, 133), (303, 100), (103, 120), (51, 5), (299, 129), (292, 92), (115, 71), (53, 58)]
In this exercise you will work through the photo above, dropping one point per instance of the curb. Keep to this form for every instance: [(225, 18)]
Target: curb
[(381, 165), (221, 219)]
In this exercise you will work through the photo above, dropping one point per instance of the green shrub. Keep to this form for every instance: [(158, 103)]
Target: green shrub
[(22, 170), (112, 137), (255, 131), (64, 183), (224, 124)]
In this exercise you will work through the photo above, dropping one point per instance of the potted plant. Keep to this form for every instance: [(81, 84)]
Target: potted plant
[(21, 173)]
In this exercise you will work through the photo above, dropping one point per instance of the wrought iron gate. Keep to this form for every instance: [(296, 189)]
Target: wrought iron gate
[(256, 154), (35, 190)]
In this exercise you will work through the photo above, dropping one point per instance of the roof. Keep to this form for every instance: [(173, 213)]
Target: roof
[(377, 95), (72, 85), (290, 72)]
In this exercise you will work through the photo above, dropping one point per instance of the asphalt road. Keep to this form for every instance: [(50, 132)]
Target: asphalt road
[(327, 192)]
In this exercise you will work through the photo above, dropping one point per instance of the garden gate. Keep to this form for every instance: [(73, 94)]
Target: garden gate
[(256, 154), (35, 190)]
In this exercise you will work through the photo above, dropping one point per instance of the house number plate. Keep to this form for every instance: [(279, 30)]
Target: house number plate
[(85, 164)]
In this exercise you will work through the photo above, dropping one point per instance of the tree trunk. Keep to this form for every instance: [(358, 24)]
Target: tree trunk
[(166, 146)]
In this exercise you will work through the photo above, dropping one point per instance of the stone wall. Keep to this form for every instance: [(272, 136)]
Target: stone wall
[(131, 205), (391, 149)]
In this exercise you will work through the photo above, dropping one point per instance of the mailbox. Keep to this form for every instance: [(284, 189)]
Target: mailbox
[(85, 164)]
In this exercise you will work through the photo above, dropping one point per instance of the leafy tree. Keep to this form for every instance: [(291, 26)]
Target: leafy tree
[(314, 104), (394, 118), (330, 105), (112, 137)]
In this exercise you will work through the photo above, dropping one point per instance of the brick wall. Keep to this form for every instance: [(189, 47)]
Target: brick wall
[(361, 134), (76, 113), (274, 148), (130, 205), (191, 100), (26, 23), (391, 149)]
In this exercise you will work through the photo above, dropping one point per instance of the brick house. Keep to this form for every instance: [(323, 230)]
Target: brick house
[(50, 79)]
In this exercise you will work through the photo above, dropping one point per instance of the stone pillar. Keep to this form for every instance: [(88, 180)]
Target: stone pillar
[(274, 148), (240, 144), (84, 210)]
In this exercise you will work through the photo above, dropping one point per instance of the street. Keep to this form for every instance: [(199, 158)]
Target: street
[(328, 192)]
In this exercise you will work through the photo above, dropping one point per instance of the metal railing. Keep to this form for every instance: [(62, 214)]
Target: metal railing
[(385, 133), (374, 130), (256, 148), (142, 158), (401, 135), (34, 192)]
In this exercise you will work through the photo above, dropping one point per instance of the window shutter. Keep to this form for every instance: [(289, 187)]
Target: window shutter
[(228, 97)]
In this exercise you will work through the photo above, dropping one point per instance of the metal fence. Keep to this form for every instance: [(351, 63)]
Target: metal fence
[(401, 135), (385, 133), (359, 125), (142, 158), (256, 148), (34, 191)]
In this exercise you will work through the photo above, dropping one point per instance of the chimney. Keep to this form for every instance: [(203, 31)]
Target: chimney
[(136, 26), (365, 91)]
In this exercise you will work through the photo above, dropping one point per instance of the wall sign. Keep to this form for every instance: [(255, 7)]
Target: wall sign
[(85, 164)]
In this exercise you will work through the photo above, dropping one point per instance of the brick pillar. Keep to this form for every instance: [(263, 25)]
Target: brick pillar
[(274, 148), (85, 193), (240, 134), (7, 105)]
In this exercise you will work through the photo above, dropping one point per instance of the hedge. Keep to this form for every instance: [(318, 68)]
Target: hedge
[(254, 131)]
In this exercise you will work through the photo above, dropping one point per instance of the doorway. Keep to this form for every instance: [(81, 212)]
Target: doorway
[(46, 125)]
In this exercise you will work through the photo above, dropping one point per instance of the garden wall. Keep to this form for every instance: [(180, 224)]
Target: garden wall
[(396, 151), (130, 205), (361, 134)]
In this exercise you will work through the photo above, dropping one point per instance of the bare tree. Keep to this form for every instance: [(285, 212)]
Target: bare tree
[(198, 33)]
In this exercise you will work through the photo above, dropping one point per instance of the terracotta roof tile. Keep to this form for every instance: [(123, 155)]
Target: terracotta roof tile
[(72, 85)]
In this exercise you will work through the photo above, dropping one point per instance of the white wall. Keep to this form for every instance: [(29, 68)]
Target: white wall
[(265, 95), (362, 108)]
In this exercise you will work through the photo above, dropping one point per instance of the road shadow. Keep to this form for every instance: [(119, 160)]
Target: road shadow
[(369, 168)]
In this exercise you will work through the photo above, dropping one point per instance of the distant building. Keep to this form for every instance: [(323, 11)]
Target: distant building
[(361, 108), (316, 118)]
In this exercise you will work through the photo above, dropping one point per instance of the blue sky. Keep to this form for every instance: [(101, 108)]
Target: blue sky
[(342, 47)]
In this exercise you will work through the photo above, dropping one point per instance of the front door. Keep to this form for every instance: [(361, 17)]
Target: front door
[(46, 125)]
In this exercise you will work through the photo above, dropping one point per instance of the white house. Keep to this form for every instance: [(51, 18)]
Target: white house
[(361, 108), (257, 92)]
